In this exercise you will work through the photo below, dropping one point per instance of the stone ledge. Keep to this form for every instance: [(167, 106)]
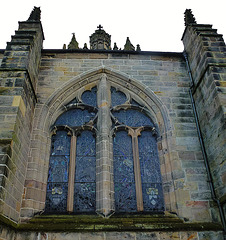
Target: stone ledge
[(17, 43), (12, 69), (122, 222), (210, 34), (25, 32), (7, 221), (28, 25)]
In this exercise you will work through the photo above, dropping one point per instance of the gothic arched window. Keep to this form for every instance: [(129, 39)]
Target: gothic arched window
[(104, 155)]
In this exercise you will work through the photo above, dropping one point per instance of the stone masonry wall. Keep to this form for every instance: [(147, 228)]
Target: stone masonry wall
[(167, 76), (207, 57), (5, 234), (18, 74)]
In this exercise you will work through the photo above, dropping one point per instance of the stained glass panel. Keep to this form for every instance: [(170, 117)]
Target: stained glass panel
[(90, 97), (85, 173), (117, 97), (150, 173), (133, 118), (125, 194), (85, 197), (153, 197), (60, 144), (56, 197), (75, 117), (57, 187)]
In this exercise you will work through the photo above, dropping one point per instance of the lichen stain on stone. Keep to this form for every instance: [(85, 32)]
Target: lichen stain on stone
[(18, 102)]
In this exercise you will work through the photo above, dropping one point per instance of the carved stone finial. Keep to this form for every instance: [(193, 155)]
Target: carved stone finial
[(35, 15), (85, 46), (115, 47), (138, 48), (64, 46), (129, 46), (189, 17), (73, 44)]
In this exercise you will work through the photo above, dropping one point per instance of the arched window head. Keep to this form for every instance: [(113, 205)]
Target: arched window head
[(104, 155)]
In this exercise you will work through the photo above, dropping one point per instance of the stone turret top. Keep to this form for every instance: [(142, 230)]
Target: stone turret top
[(100, 39), (189, 17), (35, 15)]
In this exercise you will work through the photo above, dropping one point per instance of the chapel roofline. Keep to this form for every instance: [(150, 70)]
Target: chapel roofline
[(121, 52)]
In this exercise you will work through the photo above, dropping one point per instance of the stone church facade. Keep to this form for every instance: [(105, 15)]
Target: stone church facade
[(101, 143)]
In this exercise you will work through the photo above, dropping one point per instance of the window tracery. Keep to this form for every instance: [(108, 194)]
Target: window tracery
[(109, 160)]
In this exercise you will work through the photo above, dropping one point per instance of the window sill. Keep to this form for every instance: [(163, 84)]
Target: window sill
[(122, 222)]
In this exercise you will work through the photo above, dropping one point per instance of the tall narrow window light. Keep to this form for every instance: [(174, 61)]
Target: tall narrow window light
[(85, 173), (72, 167), (150, 172), (125, 192), (57, 187)]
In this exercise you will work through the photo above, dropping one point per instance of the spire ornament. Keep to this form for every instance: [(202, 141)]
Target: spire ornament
[(115, 46), (189, 17), (35, 15), (73, 44), (85, 46), (138, 48), (129, 46)]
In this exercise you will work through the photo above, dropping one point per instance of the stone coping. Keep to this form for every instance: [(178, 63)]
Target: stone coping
[(154, 53)]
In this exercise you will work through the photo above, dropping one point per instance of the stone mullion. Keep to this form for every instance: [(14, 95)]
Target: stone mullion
[(138, 183), (104, 161), (71, 177)]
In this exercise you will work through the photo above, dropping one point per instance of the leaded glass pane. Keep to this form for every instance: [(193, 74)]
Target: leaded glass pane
[(150, 173), (85, 173), (153, 197), (133, 118), (75, 117), (117, 97), (85, 197), (124, 181), (56, 197), (57, 186), (90, 97), (60, 144)]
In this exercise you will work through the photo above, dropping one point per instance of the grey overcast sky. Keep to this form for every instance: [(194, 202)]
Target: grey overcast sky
[(155, 25)]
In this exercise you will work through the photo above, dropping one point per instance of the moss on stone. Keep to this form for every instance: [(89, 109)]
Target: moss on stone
[(78, 223), (3, 90), (8, 222)]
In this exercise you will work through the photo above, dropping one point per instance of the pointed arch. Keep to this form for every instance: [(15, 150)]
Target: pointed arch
[(56, 105), (56, 102)]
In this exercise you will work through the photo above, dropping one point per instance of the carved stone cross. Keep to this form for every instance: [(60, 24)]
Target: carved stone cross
[(99, 27)]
